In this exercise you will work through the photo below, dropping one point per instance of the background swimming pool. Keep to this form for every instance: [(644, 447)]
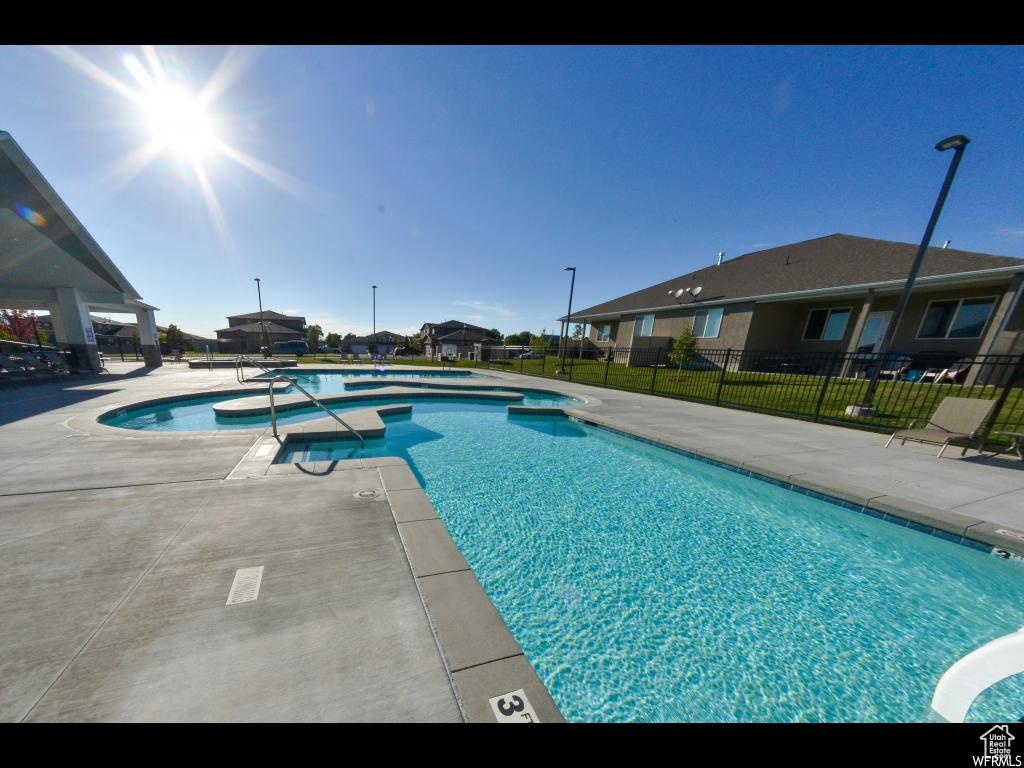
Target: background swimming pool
[(195, 414), (645, 585), (334, 381)]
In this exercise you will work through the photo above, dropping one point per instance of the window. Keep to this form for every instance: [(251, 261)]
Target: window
[(604, 332), (707, 323), (827, 324), (956, 318), (643, 325)]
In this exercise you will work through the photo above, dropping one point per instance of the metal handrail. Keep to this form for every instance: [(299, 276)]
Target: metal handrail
[(240, 367), (315, 401)]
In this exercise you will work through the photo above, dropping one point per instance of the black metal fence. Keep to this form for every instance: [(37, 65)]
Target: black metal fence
[(826, 387)]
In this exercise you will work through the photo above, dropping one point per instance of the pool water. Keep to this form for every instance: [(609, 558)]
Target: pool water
[(646, 585), (334, 381), (194, 414)]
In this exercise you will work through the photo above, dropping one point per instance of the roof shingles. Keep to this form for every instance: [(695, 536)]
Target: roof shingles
[(824, 262)]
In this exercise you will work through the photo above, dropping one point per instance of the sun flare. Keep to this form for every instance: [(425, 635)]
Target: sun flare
[(179, 122)]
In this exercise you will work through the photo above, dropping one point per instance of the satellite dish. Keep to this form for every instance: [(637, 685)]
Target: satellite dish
[(677, 293), (695, 292)]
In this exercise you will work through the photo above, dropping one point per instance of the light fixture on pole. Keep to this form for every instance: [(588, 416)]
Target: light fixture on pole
[(956, 143), (263, 326), (373, 336), (568, 316)]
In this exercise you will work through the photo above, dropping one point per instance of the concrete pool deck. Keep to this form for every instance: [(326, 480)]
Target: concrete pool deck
[(119, 549)]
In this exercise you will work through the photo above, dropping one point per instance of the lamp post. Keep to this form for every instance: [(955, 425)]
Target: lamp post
[(263, 326), (565, 333), (373, 336), (957, 144)]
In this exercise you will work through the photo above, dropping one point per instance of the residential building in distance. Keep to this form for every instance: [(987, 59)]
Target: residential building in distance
[(833, 293), (119, 336), (243, 333), (456, 340), (379, 343)]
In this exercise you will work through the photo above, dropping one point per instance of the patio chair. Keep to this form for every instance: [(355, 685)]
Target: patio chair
[(956, 418), (53, 360), (14, 365), (954, 374), (896, 366)]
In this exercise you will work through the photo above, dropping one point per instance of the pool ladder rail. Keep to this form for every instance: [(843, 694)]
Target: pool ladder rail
[(240, 361)]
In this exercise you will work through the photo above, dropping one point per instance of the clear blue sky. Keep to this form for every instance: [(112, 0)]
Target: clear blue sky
[(462, 180)]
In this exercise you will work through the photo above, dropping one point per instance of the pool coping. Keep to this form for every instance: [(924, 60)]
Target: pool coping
[(480, 654)]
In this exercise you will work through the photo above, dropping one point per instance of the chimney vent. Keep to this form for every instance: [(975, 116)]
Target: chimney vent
[(946, 244), (721, 255)]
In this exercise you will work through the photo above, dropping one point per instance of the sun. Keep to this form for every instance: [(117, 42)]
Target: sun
[(178, 121)]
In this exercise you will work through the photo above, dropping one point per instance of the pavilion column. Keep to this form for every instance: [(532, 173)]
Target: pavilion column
[(73, 329), (149, 338)]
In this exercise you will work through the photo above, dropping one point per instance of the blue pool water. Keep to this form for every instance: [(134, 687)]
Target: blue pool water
[(194, 414), (646, 585), (334, 381)]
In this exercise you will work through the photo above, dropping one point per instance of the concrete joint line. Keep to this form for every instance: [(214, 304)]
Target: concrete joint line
[(489, 661), (113, 610)]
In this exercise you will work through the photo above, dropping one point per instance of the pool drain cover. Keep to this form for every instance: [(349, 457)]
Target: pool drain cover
[(366, 493)]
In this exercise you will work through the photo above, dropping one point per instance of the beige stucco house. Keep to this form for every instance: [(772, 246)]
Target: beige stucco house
[(833, 293)]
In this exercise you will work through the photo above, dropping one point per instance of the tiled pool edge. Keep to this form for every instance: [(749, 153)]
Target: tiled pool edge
[(941, 523), (482, 658)]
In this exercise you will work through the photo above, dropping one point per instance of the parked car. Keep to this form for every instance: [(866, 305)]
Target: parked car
[(404, 352), (297, 348), (531, 356)]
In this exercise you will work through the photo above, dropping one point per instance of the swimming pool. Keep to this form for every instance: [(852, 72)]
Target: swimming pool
[(323, 381), (646, 585), (193, 414)]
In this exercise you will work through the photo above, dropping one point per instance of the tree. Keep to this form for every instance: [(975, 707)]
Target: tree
[(17, 325), (538, 343), (577, 332), (174, 337), (313, 335), (333, 340), (682, 350), (520, 339), (494, 333)]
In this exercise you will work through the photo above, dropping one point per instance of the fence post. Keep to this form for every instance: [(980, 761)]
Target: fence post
[(721, 379), (824, 384), (571, 365), (544, 363), (607, 365), (521, 360), (1017, 372), (654, 375)]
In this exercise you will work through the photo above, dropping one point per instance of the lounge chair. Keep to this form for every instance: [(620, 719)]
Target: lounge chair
[(956, 418), (53, 360), (895, 367), (954, 374), (17, 366)]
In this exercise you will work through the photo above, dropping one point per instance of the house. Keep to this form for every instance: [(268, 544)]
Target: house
[(829, 294), (456, 339), (243, 333), (379, 343), (117, 336)]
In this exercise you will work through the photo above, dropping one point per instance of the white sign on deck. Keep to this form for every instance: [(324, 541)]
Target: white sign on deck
[(246, 586), (513, 707)]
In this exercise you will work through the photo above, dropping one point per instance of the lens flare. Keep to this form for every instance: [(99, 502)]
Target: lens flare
[(33, 217)]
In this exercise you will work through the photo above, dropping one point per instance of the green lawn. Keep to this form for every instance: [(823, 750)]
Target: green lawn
[(796, 395)]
